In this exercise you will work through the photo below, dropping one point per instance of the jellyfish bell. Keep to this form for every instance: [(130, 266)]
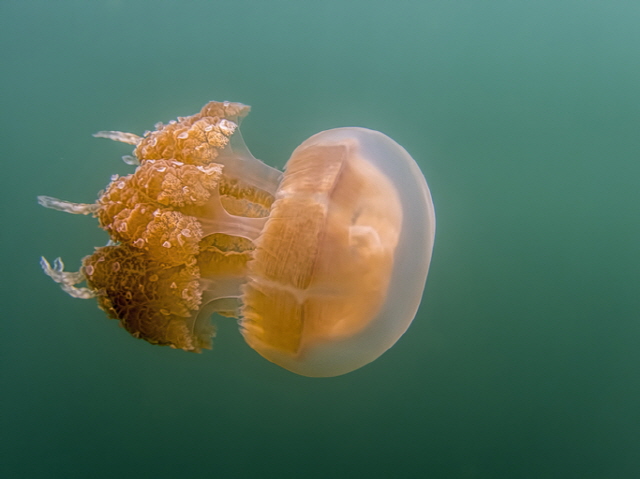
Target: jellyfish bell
[(354, 210), (324, 266)]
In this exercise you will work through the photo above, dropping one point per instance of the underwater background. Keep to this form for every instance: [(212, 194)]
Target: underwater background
[(523, 360)]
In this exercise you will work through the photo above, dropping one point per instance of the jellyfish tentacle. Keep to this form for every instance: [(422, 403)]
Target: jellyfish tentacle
[(68, 206), (66, 279), (131, 160), (121, 136)]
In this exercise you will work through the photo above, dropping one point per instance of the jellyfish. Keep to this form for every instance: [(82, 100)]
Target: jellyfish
[(322, 265)]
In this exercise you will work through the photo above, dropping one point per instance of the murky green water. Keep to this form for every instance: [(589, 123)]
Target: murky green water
[(523, 361)]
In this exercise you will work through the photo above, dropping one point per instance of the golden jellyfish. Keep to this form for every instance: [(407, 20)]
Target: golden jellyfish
[(324, 265)]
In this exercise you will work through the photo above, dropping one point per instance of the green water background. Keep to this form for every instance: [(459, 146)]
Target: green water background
[(523, 360)]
